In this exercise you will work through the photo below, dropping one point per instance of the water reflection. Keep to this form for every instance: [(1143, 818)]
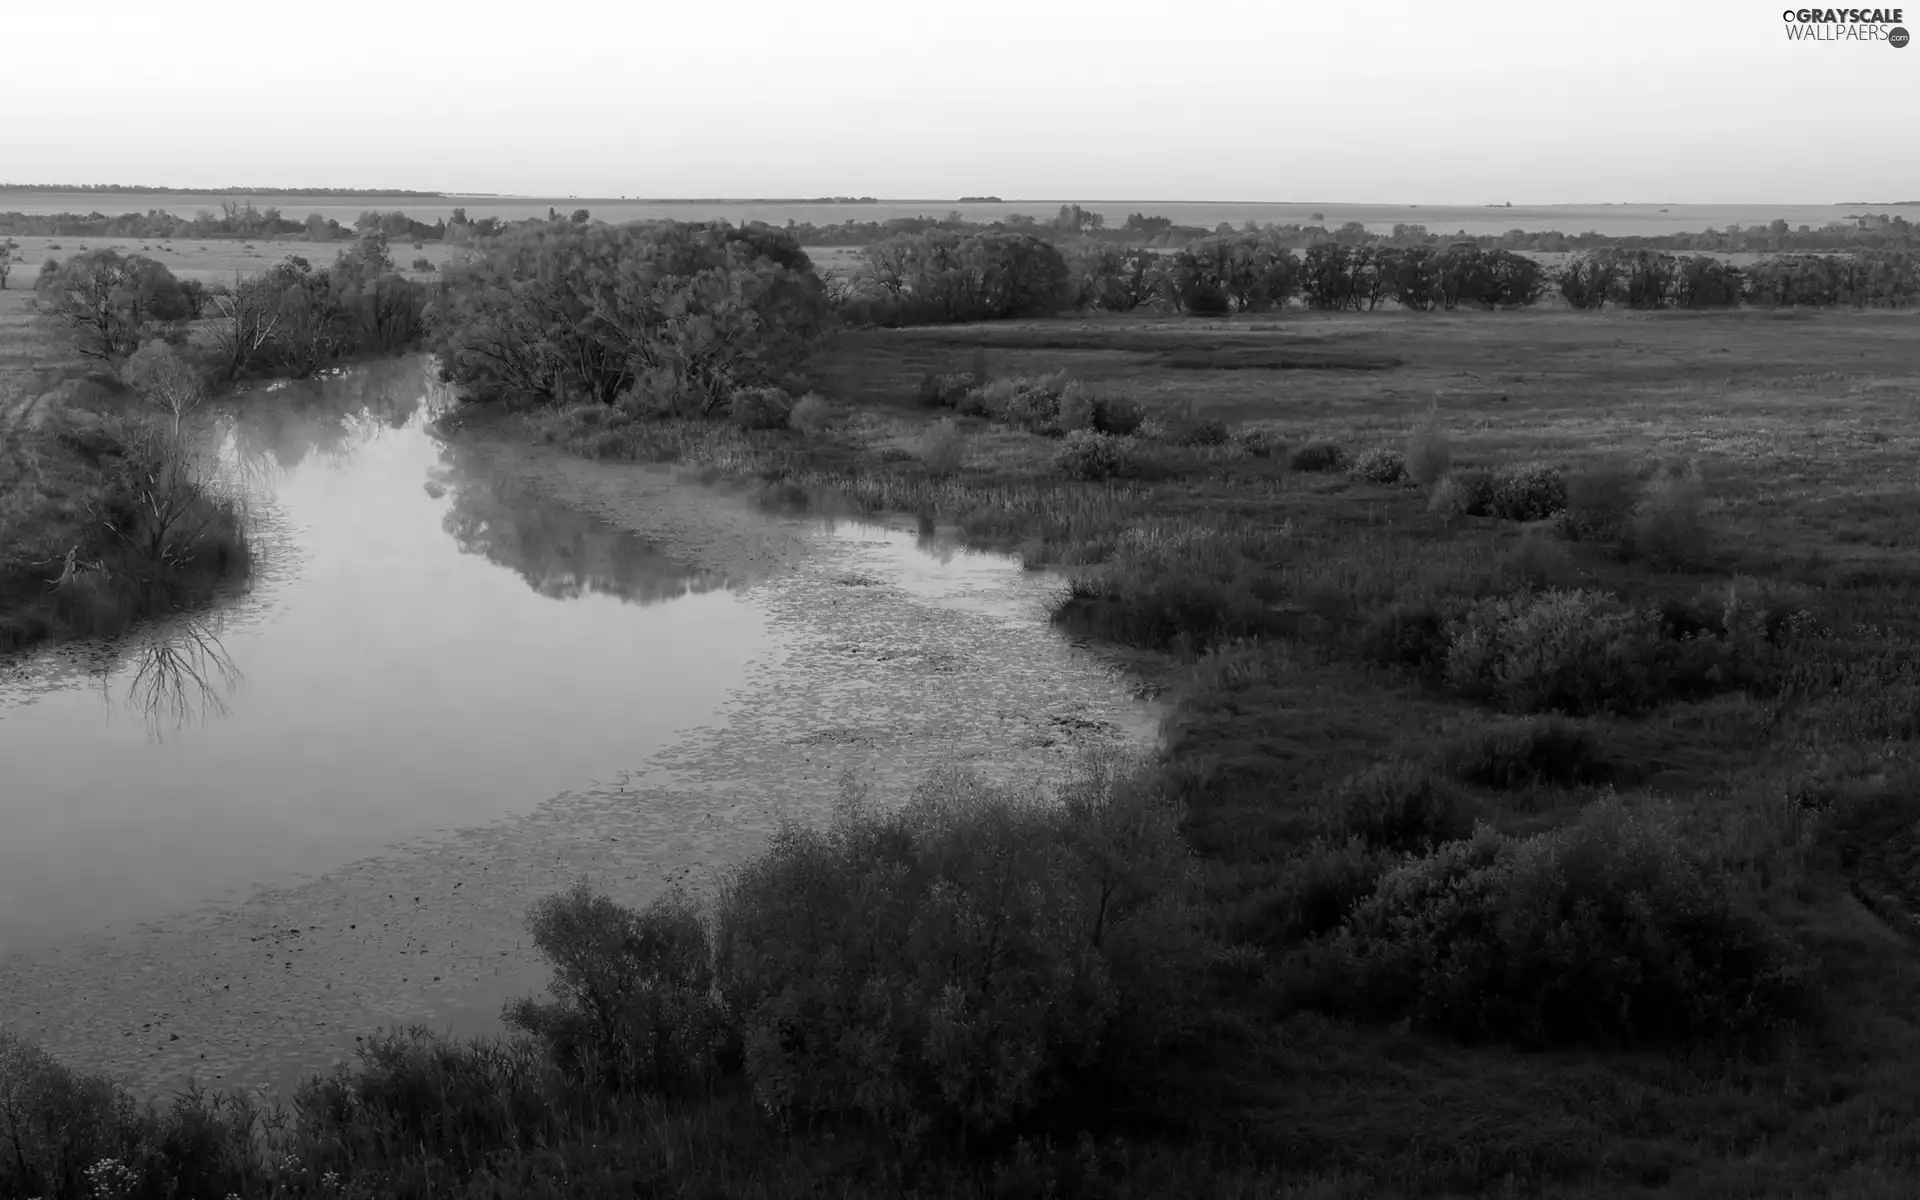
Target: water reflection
[(561, 552), (180, 677), (272, 430)]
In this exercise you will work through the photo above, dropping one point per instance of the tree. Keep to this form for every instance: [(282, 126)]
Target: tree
[(6, 261), (165, 380), (249, 316), (109, 301)]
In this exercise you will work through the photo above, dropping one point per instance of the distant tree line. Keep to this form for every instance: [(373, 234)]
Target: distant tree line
[(942, 275), (144, 190)]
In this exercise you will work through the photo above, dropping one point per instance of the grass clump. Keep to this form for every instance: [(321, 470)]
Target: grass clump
[(1601, 932), (1319, 456)]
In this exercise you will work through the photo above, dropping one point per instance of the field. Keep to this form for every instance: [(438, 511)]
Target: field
[(210, 262), (1614, 220)]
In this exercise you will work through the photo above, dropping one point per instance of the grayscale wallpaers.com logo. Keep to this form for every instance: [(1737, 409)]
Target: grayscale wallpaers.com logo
[(1846, 25)]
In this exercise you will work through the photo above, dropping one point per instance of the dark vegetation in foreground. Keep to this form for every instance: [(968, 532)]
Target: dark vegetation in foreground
[(1535, 813)]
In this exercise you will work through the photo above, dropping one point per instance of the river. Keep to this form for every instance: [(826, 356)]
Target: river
[(469, 671)]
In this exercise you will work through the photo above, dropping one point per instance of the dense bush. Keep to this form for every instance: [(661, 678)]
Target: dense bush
[(950, 967), (1117, 415), (811, 414), (946, 391), (944, 276), (1380, 465), (1320, 456), (634, 1006), (1527, 492), (1603, 932), (1670, 527), (760, 408), (672, 316), (1463, 493), (1601, 499), (110, 303), (1087, 455), (1402, 807), (1077, 407)]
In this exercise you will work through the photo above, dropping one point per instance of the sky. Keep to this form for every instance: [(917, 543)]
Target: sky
[(1376, 101)]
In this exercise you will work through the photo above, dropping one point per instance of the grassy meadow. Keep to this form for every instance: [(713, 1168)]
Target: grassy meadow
[(211, 261)]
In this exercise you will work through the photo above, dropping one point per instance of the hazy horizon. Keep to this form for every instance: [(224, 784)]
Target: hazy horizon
[(1395, 103)]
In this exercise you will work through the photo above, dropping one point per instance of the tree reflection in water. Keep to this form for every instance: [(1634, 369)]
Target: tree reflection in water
[(181, 676), (561, 552), (275, 430)]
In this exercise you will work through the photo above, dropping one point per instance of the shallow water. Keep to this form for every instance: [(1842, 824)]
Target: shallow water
[(429, 644)]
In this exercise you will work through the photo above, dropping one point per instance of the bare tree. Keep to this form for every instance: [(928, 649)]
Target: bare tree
[(248, 318)]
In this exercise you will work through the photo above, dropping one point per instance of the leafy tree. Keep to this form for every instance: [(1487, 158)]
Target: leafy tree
[(6, 261), (110, 301)]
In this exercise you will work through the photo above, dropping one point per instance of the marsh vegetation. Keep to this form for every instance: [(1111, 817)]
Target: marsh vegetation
[(1535, 812)]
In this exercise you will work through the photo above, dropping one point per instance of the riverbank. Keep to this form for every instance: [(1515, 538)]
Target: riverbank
[(888, 661)]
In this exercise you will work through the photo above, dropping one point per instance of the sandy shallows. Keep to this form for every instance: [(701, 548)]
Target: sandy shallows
[(888, 663)]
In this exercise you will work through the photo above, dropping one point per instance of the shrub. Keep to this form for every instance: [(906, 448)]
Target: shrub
[(1319, 887), (1528, 752), (1538, 560), (1401, 807), (950, 967), (1414, 635), (1463, 494), (1527, 492), (1379, 465), (1117, 415), (1036, 410), (1576, 651), (759, 408), (811, 415), (1603, 932), (1204, 431), (1077, 408), (942, 446), (946, 391), (423, 264), (633, 1003), (1319, 456), (1429, 453), (1669, 526), (1087, 455), (1600, 502)]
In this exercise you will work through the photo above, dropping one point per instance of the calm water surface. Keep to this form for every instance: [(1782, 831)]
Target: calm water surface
[(426, 646)]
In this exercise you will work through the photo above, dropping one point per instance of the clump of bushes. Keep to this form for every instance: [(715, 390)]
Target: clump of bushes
[(633, 1003), (760, 408), (1029, 402), (1601, 499), (942, 446), (1117, 416), (423, 264), (1401, 807), (1379, 465), (1320, 456), (1202, 431), (950, 967), (1076, 407), (1603, 932), (1320, 886), (1527, 752), (1258, 443), (1086, 455), (947, 390), (1180, 590), (1527, 492)]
